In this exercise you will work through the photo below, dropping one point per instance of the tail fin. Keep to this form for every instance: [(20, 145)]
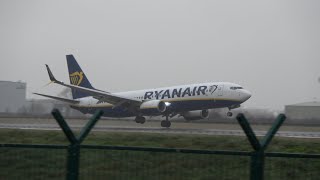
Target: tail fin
[(77, 77)]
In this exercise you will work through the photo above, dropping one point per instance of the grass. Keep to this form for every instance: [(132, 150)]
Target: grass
[(21, 163)]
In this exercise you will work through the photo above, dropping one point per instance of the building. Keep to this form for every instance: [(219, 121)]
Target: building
[(12, 96), (303, 113), (13, 101)]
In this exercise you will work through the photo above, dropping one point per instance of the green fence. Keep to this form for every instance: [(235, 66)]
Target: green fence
[(76, 161), (21, 161)]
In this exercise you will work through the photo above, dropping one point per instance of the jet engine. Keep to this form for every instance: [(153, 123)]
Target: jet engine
[(153, 106), (196, 115)]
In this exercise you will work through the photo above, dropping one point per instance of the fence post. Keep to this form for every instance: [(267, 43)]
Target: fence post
[(74, 147), (258, 155), (257, 165), (73, 161)]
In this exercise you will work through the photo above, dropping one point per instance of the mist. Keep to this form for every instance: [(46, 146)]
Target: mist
[(270, 48)]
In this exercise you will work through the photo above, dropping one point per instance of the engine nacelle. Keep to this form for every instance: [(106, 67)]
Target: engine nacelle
[(153, 106), (196, 115)]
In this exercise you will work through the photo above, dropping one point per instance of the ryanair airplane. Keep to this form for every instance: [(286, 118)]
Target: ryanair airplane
[(190, 101)]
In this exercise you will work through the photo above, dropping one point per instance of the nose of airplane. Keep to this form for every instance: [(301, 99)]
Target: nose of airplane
[(246, 95)]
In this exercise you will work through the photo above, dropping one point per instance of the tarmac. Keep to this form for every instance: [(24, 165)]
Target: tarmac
[(193, 127)]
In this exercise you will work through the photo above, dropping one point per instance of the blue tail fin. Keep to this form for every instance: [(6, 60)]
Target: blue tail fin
[(77, 77)]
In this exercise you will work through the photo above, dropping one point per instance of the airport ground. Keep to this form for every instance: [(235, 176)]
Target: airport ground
[(195, 141), (98, 164), (153, 126)]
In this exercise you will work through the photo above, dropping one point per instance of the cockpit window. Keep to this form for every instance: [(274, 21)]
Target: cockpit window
[(234, 88)]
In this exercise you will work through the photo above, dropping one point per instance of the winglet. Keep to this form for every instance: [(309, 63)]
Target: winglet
[(52, 78)]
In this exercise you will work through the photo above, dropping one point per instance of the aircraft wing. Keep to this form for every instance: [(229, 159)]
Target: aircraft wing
[(98, 94), (71, 101)]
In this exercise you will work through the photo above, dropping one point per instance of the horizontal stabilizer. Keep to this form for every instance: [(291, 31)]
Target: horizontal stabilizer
[(71, 101)]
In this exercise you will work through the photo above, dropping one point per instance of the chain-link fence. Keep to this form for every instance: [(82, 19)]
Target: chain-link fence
[(19, 161), (32, 162)]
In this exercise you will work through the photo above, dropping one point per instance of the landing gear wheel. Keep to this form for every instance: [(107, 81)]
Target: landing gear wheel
[(229, 114), (165, 123), (137, 119), (168, 124), (140, 120)]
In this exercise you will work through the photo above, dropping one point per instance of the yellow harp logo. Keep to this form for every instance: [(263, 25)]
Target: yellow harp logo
[(76, 78)]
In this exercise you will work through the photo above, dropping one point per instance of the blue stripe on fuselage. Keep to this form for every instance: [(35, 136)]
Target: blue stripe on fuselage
[(200, 104), (176, 106)]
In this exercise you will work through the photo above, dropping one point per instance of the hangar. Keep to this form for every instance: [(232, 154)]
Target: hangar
[(12, 96), (13, 100), (303, 113)]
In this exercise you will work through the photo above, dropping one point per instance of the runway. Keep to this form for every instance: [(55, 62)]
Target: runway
[(153, 127), (291, 134)]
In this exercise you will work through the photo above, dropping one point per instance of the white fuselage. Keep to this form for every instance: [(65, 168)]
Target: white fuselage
[(181, 98)]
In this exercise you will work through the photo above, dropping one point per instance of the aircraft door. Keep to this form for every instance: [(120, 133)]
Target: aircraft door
[(220, 90)]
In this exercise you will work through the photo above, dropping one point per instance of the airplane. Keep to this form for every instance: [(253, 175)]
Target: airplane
[(189, 101)]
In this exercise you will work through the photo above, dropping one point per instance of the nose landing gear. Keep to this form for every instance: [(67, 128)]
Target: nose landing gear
[(229, 114)]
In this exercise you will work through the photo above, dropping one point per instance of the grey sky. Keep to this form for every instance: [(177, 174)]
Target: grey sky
[(272, 48)]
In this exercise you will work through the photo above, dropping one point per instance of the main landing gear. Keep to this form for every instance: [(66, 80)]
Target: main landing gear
[(140, 119), (166, 123)]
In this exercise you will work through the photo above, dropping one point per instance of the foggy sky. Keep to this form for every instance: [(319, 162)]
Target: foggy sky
[(271, 48)]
